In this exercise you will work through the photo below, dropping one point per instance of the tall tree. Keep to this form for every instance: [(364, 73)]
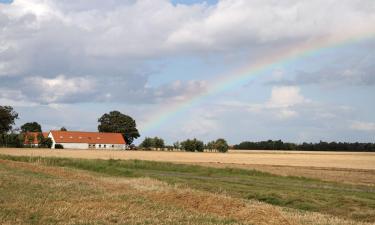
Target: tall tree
[(31, 127), (117, 122), (7, 118)]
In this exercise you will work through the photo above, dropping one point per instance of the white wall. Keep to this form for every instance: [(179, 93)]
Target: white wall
[(75, 145)]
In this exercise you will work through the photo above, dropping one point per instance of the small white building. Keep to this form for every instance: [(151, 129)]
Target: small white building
[(87, 140)]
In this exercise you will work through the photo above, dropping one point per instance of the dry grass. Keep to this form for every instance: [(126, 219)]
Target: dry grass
[(36, 194), (349, 160), (350, 168)]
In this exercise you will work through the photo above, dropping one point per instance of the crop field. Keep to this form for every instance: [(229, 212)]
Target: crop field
[(40, 186), (348, 160)]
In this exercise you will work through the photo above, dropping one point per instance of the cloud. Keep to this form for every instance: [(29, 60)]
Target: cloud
[(58, 89), (282, 103), (362, 126), (351, 71), (46, 38)]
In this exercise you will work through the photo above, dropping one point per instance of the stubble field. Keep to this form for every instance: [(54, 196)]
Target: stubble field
[(40, 186)]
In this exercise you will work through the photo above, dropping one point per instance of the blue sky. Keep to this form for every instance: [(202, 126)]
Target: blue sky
[(65, 63)]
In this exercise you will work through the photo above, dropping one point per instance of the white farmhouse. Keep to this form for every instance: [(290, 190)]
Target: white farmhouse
[(87, 140)]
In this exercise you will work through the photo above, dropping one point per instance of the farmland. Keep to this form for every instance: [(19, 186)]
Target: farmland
[(115, 188)]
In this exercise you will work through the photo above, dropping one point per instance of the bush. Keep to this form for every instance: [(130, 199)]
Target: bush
[(59, 146)]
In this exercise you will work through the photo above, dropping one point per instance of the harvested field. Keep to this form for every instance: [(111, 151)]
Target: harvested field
[(342, 175), (365, 161), (344, 167), (43, 191)]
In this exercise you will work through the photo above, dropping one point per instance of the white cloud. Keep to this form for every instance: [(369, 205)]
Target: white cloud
[(362, 126), (282, 102), (60, 88)]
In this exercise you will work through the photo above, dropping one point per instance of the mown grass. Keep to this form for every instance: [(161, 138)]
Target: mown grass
[(36, 198), (342, 200)]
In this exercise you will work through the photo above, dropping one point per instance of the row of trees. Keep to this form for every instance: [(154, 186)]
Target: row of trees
[(189, 145), (320, 146)]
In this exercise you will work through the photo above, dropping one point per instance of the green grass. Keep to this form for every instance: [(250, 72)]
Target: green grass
[(342, 200), (35, 198)]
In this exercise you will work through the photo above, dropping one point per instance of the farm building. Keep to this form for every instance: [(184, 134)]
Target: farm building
[(31, 138), (87, 140)]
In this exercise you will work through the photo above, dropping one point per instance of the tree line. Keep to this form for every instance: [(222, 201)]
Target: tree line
[(320, 146), (189, 145)]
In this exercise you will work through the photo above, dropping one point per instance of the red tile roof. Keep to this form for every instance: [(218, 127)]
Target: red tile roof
[(35, 135), (87, 137)]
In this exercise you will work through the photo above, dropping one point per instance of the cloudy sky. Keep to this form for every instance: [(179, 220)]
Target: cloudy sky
[(65, 63)]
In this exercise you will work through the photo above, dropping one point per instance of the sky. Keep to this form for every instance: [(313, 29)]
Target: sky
[(296, 70)]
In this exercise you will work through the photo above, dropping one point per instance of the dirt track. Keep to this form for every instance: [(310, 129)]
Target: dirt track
[(365, 161)]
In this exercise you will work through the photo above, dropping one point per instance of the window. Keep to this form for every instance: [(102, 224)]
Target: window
[(100, 146), (113, 146), (105, 146)]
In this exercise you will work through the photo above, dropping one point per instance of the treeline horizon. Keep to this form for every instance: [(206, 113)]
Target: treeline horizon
[(306, 146)]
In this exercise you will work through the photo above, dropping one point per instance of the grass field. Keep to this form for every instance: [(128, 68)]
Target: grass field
[(93, 191)]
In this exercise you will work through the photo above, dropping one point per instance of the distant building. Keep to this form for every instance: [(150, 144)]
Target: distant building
[(31, 138), (87, 140)]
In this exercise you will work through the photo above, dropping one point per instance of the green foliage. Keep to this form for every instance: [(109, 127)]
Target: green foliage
[(321, 146), (117, 122), (221, 145), (155, 142), (59, 146), (31, 127), (192, 145), (7, 118), (45, 142), (158, 142), (12, 140), (210, 146), (147, 143)]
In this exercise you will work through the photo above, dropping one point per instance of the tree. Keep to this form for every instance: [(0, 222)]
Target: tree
[(147, 143), (63, 129), (192, 145), (221, 145), (158, 143), (7, 118), (211, 146), (31, 127), (117, 122)]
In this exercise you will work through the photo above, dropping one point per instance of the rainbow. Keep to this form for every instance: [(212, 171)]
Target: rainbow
[(240, 76)]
